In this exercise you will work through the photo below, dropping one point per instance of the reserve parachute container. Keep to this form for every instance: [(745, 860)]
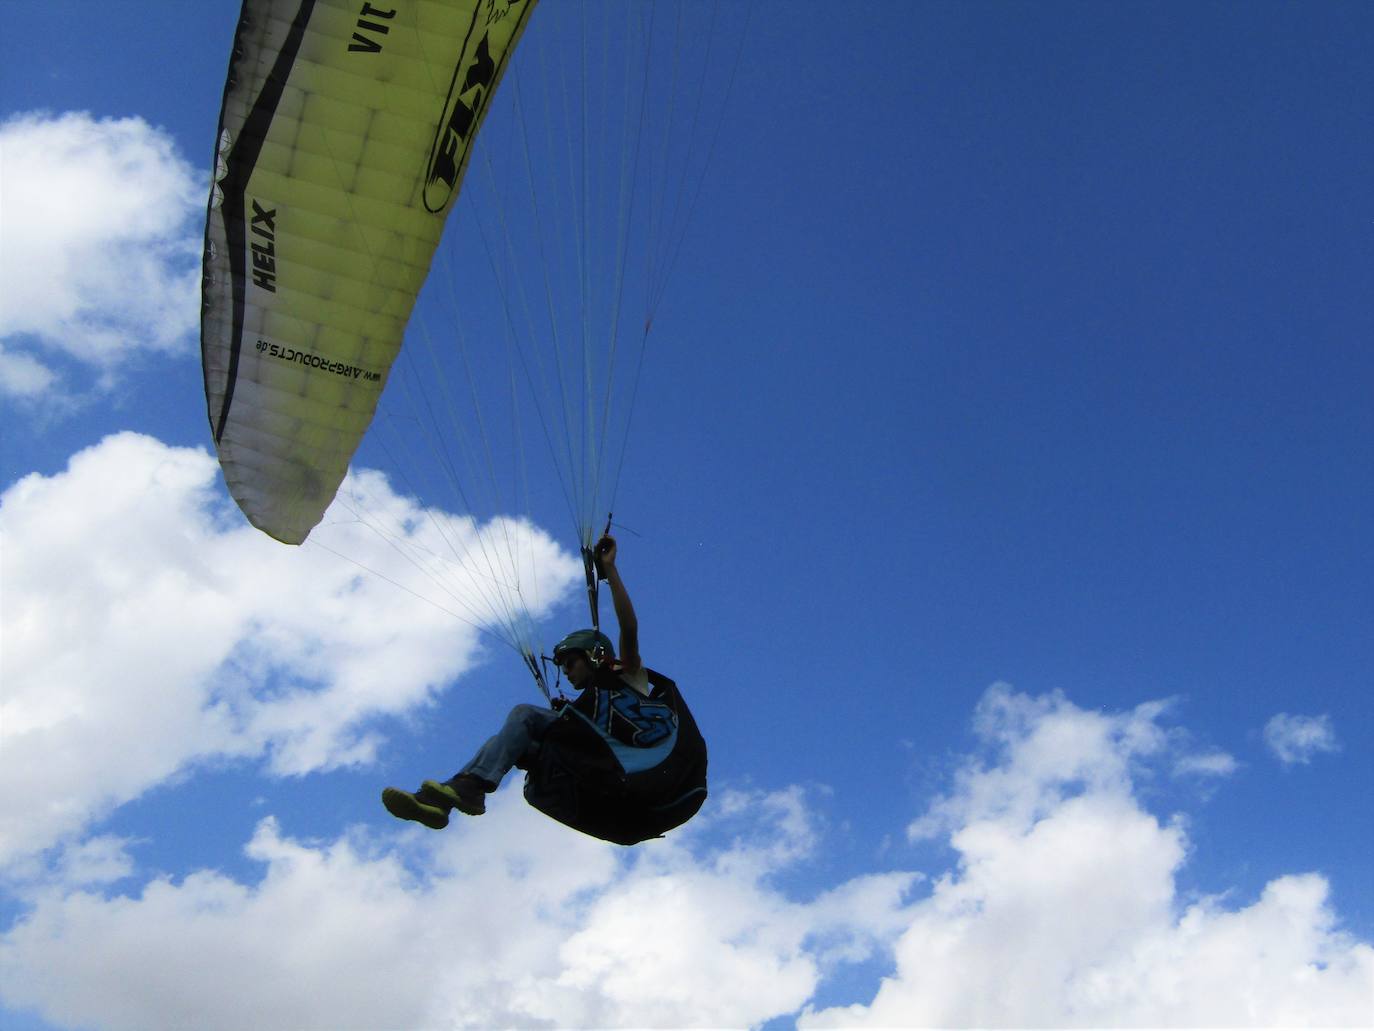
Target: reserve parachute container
[(345, 132)]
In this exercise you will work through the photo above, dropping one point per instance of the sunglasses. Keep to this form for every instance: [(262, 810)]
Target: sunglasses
[(567, 659)]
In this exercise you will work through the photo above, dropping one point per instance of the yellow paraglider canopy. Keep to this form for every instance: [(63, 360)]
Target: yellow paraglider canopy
[(344, 136)]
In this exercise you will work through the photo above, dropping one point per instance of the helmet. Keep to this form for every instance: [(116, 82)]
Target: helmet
[(596, 644)]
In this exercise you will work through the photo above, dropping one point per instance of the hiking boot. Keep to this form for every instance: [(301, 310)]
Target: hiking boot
[(465, 793), (404, 805)]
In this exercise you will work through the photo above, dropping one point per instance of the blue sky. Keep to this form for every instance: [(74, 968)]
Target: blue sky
[(999, 493)]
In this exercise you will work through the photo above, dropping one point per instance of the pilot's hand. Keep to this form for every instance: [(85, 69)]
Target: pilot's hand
[(605, 554)]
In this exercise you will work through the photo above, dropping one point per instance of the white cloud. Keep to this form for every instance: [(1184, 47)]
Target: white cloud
[(132, 589), (97, 860), (1207, 764), (506, 921), (1046, 749), (1064, 911), (1297, 739), (146, 627), (24, 376), (100, 257)]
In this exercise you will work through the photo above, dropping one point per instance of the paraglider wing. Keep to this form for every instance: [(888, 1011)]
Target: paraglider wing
[(344, 135)]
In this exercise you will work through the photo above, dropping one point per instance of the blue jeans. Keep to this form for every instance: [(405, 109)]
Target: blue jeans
[(515, 742)]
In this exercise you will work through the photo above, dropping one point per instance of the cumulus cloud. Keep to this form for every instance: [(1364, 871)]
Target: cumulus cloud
[(101, 252), (96, 860), (1297, 739), (510, 921), (1063, 909), (147, 627), (1045, 749)]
